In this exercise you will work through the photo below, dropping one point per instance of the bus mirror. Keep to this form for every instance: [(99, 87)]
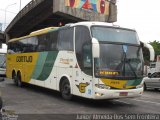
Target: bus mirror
[(95, 48)]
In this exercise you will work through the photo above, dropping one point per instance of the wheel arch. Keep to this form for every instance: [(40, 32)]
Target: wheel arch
[(14, 72), (63, 77), (19, 74)]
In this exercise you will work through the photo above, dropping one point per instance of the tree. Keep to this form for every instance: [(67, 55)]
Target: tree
[(156, 45)]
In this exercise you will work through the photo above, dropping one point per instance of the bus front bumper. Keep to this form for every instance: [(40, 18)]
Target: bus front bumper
[(113, 94)]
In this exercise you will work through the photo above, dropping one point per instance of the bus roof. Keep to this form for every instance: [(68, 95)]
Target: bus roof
[(42, 31), (35, 33), (86, 23), (91, 23)]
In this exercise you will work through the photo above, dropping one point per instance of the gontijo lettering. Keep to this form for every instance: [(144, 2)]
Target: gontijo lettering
[(24, 59)]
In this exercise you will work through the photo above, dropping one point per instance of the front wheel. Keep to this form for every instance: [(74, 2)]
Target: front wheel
[(65, 90), (156, 89), (144, 87)]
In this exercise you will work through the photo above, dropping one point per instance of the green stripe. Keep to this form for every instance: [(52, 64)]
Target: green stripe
[(134, 82), (50, 60), (130, 82), (39, 64), (137, 82)]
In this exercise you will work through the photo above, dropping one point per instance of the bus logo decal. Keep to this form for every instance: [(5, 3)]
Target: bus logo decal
[(24, 59), (82, 87)]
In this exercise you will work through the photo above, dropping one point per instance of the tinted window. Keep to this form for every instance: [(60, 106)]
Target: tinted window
[(42, 43), (82, 37), (32, 44), (45, 42), (83, 48), (19, 46), (65, 39), (109, 34), (52, 43), (11, 48), (23, 46), (114, 63)]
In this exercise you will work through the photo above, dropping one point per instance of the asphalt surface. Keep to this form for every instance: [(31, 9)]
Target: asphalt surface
[(32, 102)]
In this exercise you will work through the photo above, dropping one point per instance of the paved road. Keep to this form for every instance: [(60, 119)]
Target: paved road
[(35, 100)]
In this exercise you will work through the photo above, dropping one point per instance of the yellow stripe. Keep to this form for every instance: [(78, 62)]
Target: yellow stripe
[(119, 84), (35, 33)]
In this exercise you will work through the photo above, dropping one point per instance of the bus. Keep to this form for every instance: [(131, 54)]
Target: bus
[(3, 51), (94, 60)]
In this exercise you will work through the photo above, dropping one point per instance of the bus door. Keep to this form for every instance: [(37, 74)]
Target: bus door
[(83, 72)]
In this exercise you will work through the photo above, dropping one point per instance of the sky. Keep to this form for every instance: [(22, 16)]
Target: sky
[(141, 15)]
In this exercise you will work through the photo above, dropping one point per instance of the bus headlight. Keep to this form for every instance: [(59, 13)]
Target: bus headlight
[(99, 94), (102, 86)]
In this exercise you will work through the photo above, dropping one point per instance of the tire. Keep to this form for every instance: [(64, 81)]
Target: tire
[(18, 79), (14, 77), (145, 87), (1, 103), (156, 89), (65, 90)]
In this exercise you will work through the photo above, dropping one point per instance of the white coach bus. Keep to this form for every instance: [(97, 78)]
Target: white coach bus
[(88, 59)]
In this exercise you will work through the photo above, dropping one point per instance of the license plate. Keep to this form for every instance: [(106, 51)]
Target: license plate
[(123, 93)]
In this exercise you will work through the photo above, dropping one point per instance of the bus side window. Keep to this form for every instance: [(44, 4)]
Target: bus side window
[(18, 47), (42, 43), (32, 44), (11, 48), (52, 40), (65, 39)]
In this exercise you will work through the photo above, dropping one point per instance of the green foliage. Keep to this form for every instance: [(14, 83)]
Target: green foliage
[(156, 46)]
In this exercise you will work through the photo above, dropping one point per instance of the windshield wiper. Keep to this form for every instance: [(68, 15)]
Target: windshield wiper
[(124, 61), (128, 62)]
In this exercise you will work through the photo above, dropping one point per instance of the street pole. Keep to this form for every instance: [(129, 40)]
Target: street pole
[(20, 5), (6, 13)]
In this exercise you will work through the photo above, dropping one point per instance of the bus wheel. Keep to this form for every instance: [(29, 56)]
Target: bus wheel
[(18, 79), (14, 77), (156, 89), (65, 90), (144, 87)]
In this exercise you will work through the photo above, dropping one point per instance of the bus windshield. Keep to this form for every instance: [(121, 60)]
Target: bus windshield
[(115, 63), (110, 34), (120, 54)]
